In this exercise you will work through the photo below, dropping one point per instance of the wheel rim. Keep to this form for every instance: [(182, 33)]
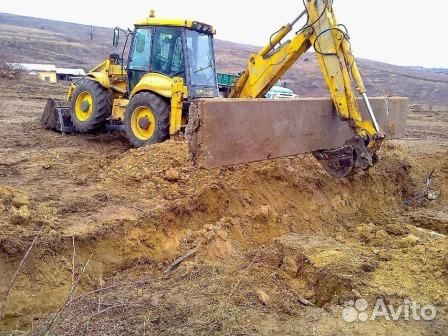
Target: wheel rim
[(143, 123), (84, 106)]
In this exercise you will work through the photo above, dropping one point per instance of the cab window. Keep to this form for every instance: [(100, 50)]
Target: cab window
[(201, 59), (167, 54), (141, 50)]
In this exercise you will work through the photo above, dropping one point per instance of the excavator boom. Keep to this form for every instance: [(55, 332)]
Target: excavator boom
[(330, 40), (338, 65)]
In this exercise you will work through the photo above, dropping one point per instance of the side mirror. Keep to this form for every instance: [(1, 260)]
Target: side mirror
[(116, 38)]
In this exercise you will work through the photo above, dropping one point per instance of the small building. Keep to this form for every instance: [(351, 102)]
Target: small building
[(46, 72), (66, 74), (49, 72)]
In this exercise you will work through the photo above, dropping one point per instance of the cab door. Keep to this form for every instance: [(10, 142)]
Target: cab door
[(167, 52), (140, 55)]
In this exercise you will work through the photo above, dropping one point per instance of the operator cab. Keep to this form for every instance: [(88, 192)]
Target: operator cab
[(174, 48)]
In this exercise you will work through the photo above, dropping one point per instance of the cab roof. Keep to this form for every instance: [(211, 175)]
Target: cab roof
[(195, 25)]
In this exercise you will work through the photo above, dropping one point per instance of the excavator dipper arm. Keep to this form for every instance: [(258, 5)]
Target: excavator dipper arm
[(340, 71)]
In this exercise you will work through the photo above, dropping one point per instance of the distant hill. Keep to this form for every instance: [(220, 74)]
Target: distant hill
[(33, 40)]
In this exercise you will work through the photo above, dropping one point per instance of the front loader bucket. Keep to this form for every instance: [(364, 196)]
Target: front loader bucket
[(56, 116), (224, 132)]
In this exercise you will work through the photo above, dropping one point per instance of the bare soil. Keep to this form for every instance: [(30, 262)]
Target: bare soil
[(270, 248)]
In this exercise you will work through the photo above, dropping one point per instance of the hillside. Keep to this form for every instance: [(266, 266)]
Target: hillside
[(32, 40)]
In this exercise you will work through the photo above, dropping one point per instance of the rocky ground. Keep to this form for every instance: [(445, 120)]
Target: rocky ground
[(139, 242)]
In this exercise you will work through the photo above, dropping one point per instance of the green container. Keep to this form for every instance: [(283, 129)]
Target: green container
[(226, 79)]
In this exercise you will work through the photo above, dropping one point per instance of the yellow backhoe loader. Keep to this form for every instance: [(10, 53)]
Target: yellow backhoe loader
[(169, 81)]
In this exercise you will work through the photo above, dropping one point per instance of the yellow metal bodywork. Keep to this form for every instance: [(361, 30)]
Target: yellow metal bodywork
[(119, 108), (155, 82), (101, 77), (153, 21), (179, 92), (336, 61), (263, 70), (111, 76), (171, 88)]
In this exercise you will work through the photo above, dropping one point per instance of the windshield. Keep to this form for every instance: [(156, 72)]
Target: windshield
[(201, 60)]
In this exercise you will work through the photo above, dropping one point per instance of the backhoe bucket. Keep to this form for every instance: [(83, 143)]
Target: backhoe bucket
[(224, 132), (56, 116)]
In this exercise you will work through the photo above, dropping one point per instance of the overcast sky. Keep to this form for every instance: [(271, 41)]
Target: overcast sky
[(401, 32)]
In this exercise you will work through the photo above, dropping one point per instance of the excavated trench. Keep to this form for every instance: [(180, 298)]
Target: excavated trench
[(278, 235)]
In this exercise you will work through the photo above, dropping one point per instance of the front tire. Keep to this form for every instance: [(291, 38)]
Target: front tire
[(146, 120), (91, 106)]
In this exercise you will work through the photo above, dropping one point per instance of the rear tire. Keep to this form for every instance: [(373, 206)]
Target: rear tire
[(91, 105), (147, 119)]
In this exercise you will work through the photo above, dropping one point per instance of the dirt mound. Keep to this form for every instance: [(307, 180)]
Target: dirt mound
[(316, 238), (141, 242)]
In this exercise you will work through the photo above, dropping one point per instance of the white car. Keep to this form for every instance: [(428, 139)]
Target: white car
[(278, 92)]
